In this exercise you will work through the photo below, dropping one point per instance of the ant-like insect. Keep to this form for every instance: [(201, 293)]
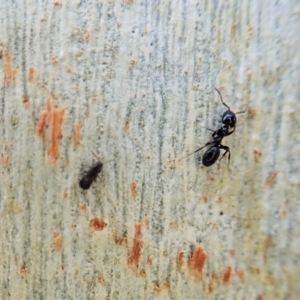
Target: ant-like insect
[(227, 128), (91, 175)]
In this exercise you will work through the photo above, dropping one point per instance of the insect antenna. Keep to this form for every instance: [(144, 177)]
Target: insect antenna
[(222, 99), (241, 112)]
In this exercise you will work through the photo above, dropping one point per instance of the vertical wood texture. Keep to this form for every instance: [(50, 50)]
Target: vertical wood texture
[(133, 81)]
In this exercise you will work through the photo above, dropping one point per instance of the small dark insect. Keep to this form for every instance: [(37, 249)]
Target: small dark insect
[(228, 127), (91, 175)]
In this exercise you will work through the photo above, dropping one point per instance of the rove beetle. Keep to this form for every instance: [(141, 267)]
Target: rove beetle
[(91, 175), (227, 128)]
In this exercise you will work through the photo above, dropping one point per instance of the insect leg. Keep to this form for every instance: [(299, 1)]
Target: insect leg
[(227, 149), (208, 143)]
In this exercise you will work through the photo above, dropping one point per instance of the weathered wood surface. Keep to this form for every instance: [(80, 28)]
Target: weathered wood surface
[(134, 81)]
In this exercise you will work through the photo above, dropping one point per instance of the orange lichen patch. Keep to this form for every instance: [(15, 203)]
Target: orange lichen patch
[(240, 274), (97, 224), (210, 288), (232, 252), (49, 104), (174, 225), (134, 257), (82, 207), (41, 124), (227, 275), (133, 188), (77, 135), (165, 285), (179, 260), (87, 37), (57, 3), (143, 273), (101, 279), (260, 297), (119, 240), (44, 119), (65, 195), (271, 178), (252, 113), (57, 119), (26, 102), (149, 260), (196, 262), (129, 1), (257, 155), (127, 126), (269, 242), (54, 60), (57, 241), (23, 271), (9, 72), (4, 158), (31, 74)]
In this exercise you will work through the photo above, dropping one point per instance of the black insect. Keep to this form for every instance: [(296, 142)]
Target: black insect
[(91, 175), (228, 127)]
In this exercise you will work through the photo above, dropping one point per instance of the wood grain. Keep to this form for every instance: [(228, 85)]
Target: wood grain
[(133, 81)]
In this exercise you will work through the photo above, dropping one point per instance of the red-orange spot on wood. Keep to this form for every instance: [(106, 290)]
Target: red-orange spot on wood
[(77, 134), (57, 3), (31, 74), (143, 273), (260, 297), (252, 113), (227, 275), (23, 271), (179, 260), (149, 260), (196, 262), (9, 73), (101, 279), (271, 178), (133, 188), (56, 132), (119, 240), (57, 241), (127, 126), (165, 285), (87, 37), (269, 242), (97, 224), (54, 60), (232, 252), (82, 207), (174, 225), (41, 125), (26, 102), (4, 157), (257, 155), (240, 274), (49, 104), (129, 2), (134, 257)]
